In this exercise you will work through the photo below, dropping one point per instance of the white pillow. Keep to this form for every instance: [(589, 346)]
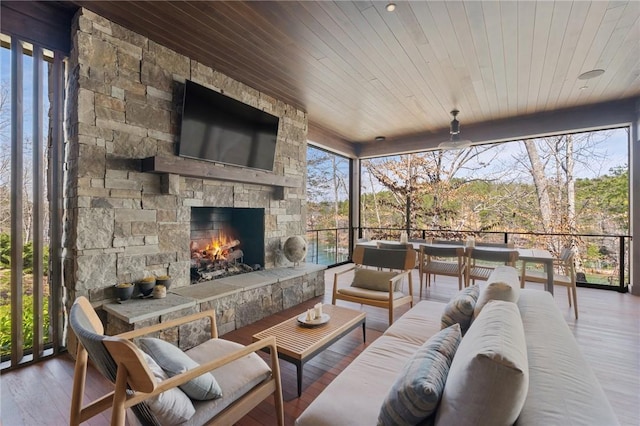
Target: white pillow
[(171, 406), (489, 376), (173, 361), (503, 284)]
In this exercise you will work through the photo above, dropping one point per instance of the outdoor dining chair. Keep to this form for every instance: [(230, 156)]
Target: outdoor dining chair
[(481, 261), (447, 261), (563, 275)]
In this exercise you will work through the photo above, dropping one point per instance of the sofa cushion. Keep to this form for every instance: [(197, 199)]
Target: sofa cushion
[(460, 308), (489, 375), (503, 284), (172, 406), (173, 361), (416, 392), (563, 389), (372, 279)]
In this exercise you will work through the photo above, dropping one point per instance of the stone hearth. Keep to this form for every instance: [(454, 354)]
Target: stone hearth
[(238, 301)]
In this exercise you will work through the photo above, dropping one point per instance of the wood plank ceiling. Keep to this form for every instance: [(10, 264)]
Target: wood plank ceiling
[(361, 71)]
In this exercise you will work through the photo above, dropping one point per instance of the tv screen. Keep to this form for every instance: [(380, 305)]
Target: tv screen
[(218, 128)]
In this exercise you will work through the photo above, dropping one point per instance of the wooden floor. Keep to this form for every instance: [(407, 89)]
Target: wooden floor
[(608, 333)]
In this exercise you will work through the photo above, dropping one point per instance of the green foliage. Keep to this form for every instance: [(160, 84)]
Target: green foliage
[(5, 251), (27, 325), (27, 255)]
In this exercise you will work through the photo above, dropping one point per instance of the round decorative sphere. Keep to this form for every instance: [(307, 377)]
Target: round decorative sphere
[(295, 249)]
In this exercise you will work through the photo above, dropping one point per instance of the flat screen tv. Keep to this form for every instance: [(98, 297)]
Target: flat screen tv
[(218, 128)]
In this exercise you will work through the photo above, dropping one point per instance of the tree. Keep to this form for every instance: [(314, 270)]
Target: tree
[(551, 162), (327, 177), (423, 187)]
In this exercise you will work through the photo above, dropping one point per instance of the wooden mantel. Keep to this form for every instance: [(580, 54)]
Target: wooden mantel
[(207, 170)]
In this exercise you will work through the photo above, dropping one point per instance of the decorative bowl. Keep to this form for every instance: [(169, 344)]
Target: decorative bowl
[(124, 291), (164, 280), (146, 285)]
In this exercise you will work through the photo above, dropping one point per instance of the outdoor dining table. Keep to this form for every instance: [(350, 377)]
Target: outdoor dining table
[(530, 255)]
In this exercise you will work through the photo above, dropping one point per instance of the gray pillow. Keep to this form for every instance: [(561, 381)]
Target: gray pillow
[(172, 406), (459, 310), (372, 279), (173, 361), (416, 392), (489, 376)]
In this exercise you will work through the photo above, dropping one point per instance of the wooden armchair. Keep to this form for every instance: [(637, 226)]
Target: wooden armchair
[(136, 387), (375, 287)]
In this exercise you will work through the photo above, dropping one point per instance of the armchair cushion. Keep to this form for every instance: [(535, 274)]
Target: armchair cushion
[(370, 294), (173, 361), (236, 378), (372, 279), (172, 406), (416, 392), (460, 308)]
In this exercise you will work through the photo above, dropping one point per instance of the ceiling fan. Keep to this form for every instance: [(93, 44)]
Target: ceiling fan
[(454, 141)]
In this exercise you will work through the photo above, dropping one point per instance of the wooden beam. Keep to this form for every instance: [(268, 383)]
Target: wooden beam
[(207, 170), (45, 23)]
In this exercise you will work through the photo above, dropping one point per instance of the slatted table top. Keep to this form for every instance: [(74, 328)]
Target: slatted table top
[(298, 342)]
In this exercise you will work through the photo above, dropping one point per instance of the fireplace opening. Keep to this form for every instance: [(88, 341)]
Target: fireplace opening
[(225, 241)]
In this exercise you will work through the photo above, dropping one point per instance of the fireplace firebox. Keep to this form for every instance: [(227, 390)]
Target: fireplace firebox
[(225, 241)]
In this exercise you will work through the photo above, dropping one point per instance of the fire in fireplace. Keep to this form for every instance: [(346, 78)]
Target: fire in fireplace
[(225, 241)]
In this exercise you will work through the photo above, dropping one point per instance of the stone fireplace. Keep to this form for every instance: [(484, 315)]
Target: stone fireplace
[(124, 221), (225, 241)]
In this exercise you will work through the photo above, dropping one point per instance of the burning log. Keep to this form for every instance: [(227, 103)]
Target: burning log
[(235, 255), (228, 246)]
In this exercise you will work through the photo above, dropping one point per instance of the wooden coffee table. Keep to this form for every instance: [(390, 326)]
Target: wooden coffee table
[(298, 344)]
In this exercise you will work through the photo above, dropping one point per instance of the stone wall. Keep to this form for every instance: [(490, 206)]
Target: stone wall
[(124, 95)]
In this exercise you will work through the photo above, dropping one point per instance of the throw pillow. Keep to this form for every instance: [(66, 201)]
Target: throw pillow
[(459, 310), (503, 284), (489, 376), (372, 279), (172, 406), (173, 361), (416, 392)]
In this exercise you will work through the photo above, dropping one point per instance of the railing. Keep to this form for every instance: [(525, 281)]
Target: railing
[(604, 260), (328, 246)]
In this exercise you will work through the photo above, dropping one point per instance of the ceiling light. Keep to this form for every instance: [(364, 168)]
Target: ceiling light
[(380, 139), (390, 7), (584, 87), (454, 141), (590, 74)]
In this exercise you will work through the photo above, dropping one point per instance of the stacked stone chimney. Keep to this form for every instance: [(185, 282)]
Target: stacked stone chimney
[(124, 96)]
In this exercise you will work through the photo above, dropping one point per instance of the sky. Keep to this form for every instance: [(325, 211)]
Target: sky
[(5, 80)]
